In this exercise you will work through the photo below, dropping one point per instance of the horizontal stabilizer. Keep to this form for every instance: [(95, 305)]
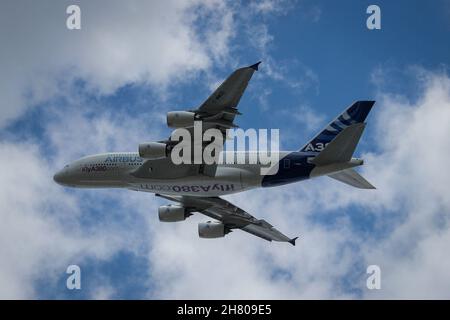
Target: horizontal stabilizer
[(353, 178), (341, 148)]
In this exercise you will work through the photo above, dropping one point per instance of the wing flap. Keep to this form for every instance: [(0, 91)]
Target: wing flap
[(266, 232)]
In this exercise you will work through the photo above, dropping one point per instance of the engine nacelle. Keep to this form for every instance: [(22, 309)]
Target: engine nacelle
[(153, 150), (180, 119), (172, 213), (211, 230)]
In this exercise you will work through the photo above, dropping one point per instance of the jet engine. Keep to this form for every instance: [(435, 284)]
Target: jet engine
[(172, 213), (180, 119), (212, 230), (153, 150)]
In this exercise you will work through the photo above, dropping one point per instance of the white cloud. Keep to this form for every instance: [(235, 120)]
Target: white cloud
[(408, 240), (242, 266), (259, 36), (270, 7), (41, 231), (413, 180), (103, 293), (82, 134), (410, 209), (154, 43), (148, 42), (308, 118)]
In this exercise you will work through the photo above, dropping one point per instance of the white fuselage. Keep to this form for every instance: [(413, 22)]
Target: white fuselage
[(115, 170), (129, 170)]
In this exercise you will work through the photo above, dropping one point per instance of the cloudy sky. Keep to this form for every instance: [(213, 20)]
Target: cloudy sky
[(69, 93)]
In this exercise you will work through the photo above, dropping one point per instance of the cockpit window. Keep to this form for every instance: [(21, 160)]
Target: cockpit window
[(66, 166)]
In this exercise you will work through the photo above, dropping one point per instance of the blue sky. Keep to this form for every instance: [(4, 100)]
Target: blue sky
[(108, 86)]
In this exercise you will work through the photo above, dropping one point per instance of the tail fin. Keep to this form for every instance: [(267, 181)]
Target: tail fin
[(337, 142), (354, 114), (341, 148)]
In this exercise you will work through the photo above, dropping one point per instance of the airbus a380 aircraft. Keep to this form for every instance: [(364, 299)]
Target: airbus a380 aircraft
[(198, 187)]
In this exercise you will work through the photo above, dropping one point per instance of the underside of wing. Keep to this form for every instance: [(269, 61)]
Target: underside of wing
[(221, 105), (220, 109), (352, 178), (216, 112), (230, 216)]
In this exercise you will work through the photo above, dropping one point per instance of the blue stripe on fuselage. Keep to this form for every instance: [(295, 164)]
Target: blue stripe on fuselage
[(292, 168)]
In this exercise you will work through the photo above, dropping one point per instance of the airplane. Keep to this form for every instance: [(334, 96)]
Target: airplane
[(199, 187)]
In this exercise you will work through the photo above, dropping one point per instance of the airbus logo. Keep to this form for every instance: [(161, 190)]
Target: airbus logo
[(124, 159)]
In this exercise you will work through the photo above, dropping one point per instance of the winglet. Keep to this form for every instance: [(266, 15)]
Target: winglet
[(255, 66), (292, 241)]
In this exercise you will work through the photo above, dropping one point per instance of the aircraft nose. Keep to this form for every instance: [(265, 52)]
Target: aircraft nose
[(59, 177)]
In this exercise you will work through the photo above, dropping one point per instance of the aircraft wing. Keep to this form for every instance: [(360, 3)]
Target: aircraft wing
[(220, 109), (231, 216), (221, 106), (218, 112)]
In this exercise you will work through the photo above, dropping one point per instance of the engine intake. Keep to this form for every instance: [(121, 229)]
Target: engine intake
[(180, 119), (153, 150), (211, 230), (172, 213)]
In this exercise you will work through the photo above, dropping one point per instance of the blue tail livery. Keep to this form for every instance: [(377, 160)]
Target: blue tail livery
[(356, 113)]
